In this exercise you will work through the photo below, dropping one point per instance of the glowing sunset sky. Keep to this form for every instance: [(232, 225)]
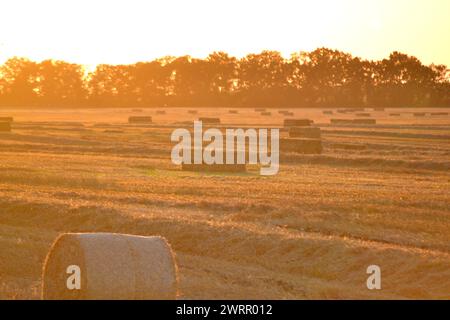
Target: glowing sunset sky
[(116, 31)]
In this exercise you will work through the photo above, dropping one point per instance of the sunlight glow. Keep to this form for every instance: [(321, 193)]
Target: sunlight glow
[(117, 31)]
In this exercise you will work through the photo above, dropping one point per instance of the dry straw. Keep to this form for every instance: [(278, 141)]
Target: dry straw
[(113, 266)]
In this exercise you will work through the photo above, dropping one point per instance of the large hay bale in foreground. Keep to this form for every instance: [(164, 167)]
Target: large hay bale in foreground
[(113, 266), (207, 120), (6, 119), (140, 120), (5, 126), (225, 168), (305, 132), (303, 146), (297, 122)]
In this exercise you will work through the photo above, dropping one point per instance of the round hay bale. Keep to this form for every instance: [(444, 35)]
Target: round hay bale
[(233, 111), (113, 267), (5, 126)]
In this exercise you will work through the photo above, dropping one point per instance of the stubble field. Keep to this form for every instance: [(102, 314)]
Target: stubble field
[(378, 195)]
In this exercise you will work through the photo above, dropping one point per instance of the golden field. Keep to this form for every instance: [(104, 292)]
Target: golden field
[(377, 195)]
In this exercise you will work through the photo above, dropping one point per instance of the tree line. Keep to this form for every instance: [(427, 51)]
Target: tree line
[(321, 78)]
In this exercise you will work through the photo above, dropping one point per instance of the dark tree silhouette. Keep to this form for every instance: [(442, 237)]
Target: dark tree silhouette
[(321, 78)]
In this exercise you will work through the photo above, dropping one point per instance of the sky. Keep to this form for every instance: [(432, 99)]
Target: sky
[(126, 31)]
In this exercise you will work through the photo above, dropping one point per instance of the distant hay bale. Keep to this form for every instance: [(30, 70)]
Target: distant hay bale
[(113, 266), (341, 121), (233, 111), (289, 114), (439, 114), (266, 114), (297, 122), (303, 146), (363, 115), (5, 126), (364, 121), (192, 111), (136, 110), (305, 132), (6, 119), (379, 109), (394, 114), (342, 111), (207, 120), (160, 112), (353, 121), (260, 109), (327, 112), (419, 114), (140, 120), (217, 168), (113, 131)]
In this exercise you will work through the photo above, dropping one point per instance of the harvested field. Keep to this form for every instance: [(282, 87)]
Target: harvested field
[(377, 194)]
